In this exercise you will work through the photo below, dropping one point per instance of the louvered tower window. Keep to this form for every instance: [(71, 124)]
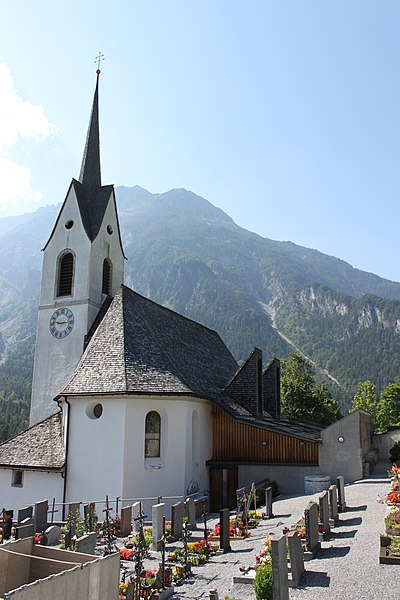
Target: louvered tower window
[(107, 276), (65, 275)]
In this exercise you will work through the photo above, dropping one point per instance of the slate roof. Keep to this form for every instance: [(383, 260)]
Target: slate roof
[(39, 447), (145, 348)]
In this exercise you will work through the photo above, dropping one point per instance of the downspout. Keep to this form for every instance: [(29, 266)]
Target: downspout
[(66, 452)]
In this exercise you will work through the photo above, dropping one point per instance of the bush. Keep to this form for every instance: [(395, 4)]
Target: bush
[(395, 453), (263, 582)]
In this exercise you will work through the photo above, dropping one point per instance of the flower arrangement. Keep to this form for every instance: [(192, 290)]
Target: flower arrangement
[(264, 556), (217, 530), (393, 497), (126, 554), (38, 538)]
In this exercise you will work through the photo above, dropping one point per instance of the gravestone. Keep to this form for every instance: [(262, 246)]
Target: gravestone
[(53, 534), (24, 513), (324, 514), (74, 510), (333, 506), (341, 494), (26, 529), (6, 523), (157, 514), (126, 521), (268, 502), (86, 544), (280, 584), (190, 513), (41, 509), (296, 558), (177, 514), (311, 522), (135, 513), (213, 595), (89, 511), (224, 540)]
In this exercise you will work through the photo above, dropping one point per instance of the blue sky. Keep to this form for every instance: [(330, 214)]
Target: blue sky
[(284, 114)]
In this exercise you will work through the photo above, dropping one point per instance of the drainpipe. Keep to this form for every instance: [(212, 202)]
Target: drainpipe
[(66, 452)]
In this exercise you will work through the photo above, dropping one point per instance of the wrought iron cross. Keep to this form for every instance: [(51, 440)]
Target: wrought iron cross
[(98, 60)]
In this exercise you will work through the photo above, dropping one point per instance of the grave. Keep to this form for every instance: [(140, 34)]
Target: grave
[(41, 509), (24, 513), (158, 514), (136, 508), (190, 513), (333, 506), (341, 493), (280, 584), (53, 534), (268, 503), (26, 529), (224, 541), (89, 512), (177, 514), (311, 524), (73, 511), (324, 514), (86, 544), (296, 558), (126, 521)]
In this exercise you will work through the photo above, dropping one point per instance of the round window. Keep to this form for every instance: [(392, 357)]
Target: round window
[(94, 410), (69, 224)]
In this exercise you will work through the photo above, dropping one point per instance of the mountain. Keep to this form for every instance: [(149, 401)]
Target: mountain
[(189, 255)]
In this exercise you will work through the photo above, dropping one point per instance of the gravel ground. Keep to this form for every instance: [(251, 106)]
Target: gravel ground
[(347, 566)]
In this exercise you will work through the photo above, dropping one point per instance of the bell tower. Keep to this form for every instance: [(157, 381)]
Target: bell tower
[(83, 265)]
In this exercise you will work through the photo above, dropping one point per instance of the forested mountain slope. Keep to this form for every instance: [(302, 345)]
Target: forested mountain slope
[(185, 253)]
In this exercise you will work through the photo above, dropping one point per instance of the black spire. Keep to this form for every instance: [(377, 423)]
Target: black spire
[(90, 175)]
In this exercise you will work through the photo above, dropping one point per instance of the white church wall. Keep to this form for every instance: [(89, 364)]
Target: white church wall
[(36, 486), (170, 474), (106, 245), (95, 450)]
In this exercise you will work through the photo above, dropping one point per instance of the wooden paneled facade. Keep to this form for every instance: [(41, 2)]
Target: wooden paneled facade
[(235, 442)]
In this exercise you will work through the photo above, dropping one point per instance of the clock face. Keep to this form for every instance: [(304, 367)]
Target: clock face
[(61, 323)]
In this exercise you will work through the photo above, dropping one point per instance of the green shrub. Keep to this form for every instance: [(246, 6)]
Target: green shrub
[(263, 582), (260, 494), (395, 453)]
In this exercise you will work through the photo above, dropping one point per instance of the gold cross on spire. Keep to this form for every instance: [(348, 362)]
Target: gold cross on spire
[(97, 60)]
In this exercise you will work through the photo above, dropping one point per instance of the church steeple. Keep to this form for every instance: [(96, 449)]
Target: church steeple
[(90, 175)]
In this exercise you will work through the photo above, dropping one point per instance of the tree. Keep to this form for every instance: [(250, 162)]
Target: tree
[(301, 398), (366, 398), (388, 413)]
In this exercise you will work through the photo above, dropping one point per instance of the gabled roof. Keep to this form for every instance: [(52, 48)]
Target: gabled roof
[(142, 347), (39, 447)]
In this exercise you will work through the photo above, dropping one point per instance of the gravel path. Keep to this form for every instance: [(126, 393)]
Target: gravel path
[(347, 566)]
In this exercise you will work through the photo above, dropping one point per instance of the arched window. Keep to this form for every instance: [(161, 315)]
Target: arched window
[(152, 435), (107, 276), (65, 274)]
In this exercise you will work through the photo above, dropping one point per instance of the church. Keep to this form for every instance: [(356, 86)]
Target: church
[(133, 400)]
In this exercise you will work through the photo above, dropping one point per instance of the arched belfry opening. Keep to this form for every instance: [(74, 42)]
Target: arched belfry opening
[(65, 274), (107, 276)]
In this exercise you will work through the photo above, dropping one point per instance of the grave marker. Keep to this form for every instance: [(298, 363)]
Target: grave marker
[(224, 541), (41, 509), (333, 506), (324, 514), (296, 558), (157, 514), (136, 508), (86, 544), (268, 502), (280, 584), (311, 522), (53, 534), (177, 514), (24, 513), (126, 521), (341, 493), (190, 513), (26, 528)]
